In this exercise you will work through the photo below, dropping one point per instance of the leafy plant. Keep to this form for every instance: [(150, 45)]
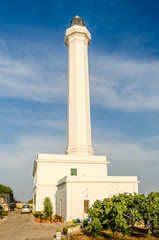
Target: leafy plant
[(95, 227), (65, 230), (48, 209), (38, 214), (42, 217), (119, 213), (57, 216)]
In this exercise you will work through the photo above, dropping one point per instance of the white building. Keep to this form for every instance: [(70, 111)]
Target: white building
[(76, 179)]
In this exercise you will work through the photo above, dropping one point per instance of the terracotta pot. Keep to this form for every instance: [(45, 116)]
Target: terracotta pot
[(52, 220), (62, 220), (55, 220), (47, 221)]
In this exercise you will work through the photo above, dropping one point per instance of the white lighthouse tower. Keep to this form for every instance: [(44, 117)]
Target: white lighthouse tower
[(77, 38), (75, 180)]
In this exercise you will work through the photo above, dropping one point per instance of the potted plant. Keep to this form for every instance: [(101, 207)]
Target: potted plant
[(1, 215), (85, 223), (65, 230), (42, 219), (38, 215), (48, 209), (47, 220), (37, 219), (57, 218), (58, 234)]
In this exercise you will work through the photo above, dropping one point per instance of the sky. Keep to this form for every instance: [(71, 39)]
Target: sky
[(124, 86)]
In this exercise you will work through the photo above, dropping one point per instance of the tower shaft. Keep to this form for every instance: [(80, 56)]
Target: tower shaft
[(79, 140)]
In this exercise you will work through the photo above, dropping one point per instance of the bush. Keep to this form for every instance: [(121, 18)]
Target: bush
[(119, 213)]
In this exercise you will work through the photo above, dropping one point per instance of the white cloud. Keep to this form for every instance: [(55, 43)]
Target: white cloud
[(125, 84), (130, 159), (115, 82), (31, 77), (25, 149)]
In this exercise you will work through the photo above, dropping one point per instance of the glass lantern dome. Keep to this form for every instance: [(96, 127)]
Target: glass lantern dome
[(77, 21)]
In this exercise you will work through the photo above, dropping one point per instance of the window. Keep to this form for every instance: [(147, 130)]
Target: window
[(73, 171), (86, 205), (35, 199)]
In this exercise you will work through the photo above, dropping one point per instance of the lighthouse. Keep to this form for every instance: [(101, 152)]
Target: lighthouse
[(77, 39), (75, 180)]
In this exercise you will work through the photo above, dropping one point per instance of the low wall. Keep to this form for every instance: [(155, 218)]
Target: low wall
[(19, 205)]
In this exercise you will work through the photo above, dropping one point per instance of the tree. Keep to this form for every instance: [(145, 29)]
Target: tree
[(48, 209), (30, 201), (5, 190)]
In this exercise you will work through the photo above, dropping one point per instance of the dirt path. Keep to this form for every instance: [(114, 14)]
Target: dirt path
[(17, 226)]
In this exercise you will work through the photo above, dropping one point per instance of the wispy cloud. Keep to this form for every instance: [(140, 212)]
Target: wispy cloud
[(116, 82), (25, 149), (125, 84), (17, 161), (31, 78), (37, 117), (130, 159)]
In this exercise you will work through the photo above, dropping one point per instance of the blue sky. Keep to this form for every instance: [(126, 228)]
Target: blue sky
[(124, 85)]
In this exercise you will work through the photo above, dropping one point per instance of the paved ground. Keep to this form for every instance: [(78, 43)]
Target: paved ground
[(17, 226)]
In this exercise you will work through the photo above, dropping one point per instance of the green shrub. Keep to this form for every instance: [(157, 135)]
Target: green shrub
[(119, 213), (48, 209), (38, 214), (65, 230)]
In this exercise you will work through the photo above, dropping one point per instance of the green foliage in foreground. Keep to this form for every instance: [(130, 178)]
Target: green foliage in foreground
[(119, 213), (5, 190), (48, 209)]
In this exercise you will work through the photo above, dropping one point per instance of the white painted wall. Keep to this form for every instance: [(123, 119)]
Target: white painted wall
[(41, 193), (49, 168), (62, 195)]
